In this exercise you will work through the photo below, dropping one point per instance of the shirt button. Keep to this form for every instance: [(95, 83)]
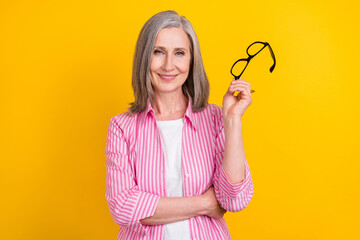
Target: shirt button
[(187, 175)]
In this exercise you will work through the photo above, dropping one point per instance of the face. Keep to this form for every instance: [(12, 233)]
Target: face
[(170, 61)]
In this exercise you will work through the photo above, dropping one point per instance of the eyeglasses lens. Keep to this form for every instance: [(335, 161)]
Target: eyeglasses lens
[(239, 67), (255, 48)]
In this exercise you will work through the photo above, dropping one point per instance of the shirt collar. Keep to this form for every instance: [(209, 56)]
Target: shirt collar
[(189, 114)]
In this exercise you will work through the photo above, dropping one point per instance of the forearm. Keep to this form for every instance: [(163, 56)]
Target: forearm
[(173, 209), (234, 152)]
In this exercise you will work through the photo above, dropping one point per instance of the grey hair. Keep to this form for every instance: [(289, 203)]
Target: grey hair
[(196, 85)]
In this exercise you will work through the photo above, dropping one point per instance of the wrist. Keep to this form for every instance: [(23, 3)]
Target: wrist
[(203, 208), (228, 114), (231, 122)]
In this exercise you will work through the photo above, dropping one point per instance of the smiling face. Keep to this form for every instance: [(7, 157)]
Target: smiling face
[(170, 61)]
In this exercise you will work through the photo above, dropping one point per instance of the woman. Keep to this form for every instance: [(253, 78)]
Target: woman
[(176, 164)]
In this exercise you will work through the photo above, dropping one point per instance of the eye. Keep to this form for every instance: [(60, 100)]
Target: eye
[(179, 53), (157, 51)]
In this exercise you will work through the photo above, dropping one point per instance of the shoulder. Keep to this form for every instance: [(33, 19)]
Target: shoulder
[(211, 116), (123, 122), (216, 116), (214, 110)]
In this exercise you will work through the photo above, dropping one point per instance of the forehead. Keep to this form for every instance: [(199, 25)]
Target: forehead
[(172, 38)]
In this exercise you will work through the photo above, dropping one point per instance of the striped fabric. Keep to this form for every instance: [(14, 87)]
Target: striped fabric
[(135, 167)]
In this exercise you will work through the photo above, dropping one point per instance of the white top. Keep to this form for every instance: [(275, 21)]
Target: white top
[(171, 141)]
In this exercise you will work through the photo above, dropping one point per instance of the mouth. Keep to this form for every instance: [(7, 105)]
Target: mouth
[(167, 77)]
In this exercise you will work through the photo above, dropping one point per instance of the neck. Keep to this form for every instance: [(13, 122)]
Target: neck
[(169, 106)]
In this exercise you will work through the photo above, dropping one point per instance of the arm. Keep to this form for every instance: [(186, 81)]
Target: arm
[(173, 209), (233, 183), (233, 109), (126, 202), (234, 155)]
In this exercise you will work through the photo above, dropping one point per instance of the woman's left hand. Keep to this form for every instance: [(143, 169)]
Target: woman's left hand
[(235, 106)]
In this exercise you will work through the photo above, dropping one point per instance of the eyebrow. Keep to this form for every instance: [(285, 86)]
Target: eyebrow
[(176, 49)]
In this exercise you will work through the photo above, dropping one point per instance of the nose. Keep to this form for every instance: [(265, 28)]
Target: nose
[(169, 63)]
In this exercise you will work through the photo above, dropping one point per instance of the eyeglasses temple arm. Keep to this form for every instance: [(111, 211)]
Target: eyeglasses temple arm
[(273, 57)]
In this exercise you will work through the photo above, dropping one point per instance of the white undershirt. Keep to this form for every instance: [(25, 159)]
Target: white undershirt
[(171, 140)]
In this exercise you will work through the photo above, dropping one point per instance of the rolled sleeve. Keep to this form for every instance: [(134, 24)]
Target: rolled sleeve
[(129, 208), (127, 203), (233, 197)]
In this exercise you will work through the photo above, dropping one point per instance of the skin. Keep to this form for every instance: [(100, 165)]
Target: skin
[(171, 57), (169, 68)]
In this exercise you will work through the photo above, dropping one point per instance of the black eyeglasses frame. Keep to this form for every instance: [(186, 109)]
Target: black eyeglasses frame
[(251, 56)]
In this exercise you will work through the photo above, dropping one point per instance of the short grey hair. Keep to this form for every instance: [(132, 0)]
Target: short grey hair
[(196, 85)]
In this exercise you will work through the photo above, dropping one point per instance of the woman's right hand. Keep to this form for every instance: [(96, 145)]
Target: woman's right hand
[(212, 206)]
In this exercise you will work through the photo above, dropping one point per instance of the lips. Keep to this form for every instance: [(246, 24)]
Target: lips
[(167, 77)]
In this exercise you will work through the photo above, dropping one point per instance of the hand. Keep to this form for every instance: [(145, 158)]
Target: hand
[(235, 106), (213, 208)]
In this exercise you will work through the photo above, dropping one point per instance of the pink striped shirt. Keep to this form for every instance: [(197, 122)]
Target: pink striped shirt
[(135, 178)]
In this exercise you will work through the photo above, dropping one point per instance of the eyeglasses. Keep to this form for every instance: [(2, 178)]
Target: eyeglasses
[(252, 50)]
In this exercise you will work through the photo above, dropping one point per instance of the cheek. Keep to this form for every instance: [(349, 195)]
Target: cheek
[(155, 64), (184, 66)]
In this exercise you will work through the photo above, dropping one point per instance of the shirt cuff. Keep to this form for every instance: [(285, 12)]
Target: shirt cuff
[(229, 189), (140, 205)]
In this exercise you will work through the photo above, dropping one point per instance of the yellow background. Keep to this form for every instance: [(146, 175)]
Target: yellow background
[(65, 70)]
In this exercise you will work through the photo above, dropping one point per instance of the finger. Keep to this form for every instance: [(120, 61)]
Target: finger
[(233, 89), (240, 80), (241, 84), (244, 90), (235, 83), (247, 87)]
